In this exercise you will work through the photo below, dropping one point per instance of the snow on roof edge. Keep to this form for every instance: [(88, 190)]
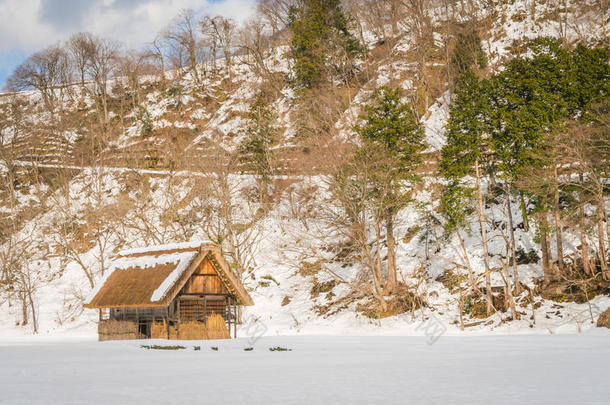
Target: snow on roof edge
[(171, 279), (158, 248), (122, 263)]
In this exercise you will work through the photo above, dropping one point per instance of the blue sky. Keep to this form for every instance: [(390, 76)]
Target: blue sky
[(30, 25), (8, 61)]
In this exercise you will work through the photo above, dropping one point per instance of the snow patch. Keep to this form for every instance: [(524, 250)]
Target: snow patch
[(159, 248), (160, 292)]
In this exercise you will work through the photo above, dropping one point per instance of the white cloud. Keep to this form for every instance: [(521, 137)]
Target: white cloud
[(29, 25)]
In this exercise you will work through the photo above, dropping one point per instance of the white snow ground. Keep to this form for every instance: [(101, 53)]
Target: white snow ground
[(551, 369)]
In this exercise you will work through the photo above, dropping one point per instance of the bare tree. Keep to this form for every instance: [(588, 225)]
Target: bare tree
[(101, 67), (45, 71), (420, 26), (276, 13), (227, 215), (81, 227), (21, 272), (156, 51), (210, 39), (255, 44), (81, 47), (354, 217), (13, 130), (21, 275), (223, 30), (182, 38), (131, 66), (585, 149)]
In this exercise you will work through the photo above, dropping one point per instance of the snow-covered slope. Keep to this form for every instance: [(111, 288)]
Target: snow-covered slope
[(287, 299)]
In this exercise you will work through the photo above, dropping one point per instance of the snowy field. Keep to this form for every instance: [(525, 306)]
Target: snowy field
[(550, 369)]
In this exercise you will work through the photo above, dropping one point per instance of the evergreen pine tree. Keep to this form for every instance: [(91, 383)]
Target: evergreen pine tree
[(320, 29), (390, 126), (468, 148), (255, 149)]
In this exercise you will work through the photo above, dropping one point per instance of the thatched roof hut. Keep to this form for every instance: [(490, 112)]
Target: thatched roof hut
[(173, 284)]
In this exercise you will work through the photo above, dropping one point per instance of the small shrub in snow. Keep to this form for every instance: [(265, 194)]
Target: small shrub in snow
[(604, 320)]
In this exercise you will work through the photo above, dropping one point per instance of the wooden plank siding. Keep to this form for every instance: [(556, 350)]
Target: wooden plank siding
[(205, 280)]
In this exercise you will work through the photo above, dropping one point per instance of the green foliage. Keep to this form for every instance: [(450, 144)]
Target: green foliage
[(389, 122), (523, 108), (528, 257), (468, 127), (505, 122), (534, 95), (175, 93), (456, 205), (320, 34), (468, 52), (505, 119), (269, 277), (261, 132), (580, 75), (475, 308), (145, 119), (592, 76), (391, 150)]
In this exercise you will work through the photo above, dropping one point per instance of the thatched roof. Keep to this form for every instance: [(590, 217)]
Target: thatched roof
[(153, 276)]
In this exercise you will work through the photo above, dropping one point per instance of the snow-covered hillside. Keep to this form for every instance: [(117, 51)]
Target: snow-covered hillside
[(136, 198)]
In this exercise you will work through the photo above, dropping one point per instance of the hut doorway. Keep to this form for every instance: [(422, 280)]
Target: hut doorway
[(144, 329)]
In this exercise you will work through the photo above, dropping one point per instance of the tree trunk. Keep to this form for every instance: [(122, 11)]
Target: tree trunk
[(82, 84), (467, 261), (601, 236), (559, 239), (488, 296), (194, 64), (584, 248), (24, 309), (512, 240), (605, 217), (546, 254), (526, 222), (492, 176), (228, 61), (163, 79), (105, 105), (392, 273), (377, 288), (33, 308), (509, 294), (378, 268)]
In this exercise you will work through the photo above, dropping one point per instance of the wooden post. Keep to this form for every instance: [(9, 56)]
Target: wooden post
[(235, 323), (167, 321), (228, 313), (205, 309), (179, 318), (138, 322)]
